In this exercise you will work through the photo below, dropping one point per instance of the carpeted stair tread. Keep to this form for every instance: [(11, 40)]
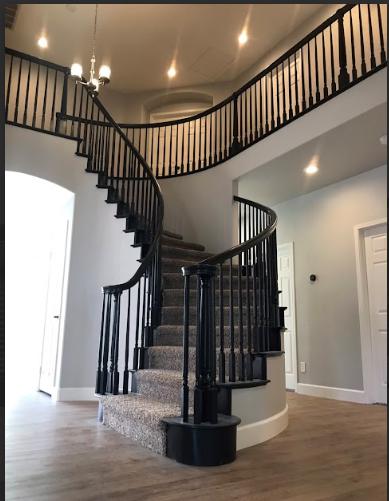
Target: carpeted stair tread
[(171, 234), (186, 254), (171, 265), (172, 335), (139, 418), (175, 280), (174, 242)]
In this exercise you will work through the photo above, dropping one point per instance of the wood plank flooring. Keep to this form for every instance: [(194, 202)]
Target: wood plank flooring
[(330, 451)]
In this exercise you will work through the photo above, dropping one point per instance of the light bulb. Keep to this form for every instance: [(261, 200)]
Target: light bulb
[(311, 169), (76, 70), (243, 37), (171, 72), (43, 42), (105, 74)]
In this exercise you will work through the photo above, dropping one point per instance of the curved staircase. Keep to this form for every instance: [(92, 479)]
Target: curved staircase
[(189, 328)]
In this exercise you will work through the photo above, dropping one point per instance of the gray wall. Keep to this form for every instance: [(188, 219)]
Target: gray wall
[(321, 226)]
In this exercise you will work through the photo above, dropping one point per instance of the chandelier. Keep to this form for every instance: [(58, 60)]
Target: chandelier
[(104, 73)]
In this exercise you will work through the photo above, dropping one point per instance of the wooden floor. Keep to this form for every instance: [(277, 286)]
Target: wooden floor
[(330, 451)]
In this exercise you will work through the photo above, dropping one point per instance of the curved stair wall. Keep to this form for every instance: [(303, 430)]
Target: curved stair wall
[(190, 358)]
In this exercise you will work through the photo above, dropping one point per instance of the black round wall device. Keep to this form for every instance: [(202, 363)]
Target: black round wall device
[(312, 277)]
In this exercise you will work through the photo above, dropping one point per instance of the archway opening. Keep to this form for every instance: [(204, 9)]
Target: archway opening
[(38, 221)]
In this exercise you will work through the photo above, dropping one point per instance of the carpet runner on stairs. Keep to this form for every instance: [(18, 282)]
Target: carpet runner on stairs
[(157, 394)]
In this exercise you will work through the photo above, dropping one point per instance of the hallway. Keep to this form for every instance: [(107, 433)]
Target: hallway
[(331, 450)]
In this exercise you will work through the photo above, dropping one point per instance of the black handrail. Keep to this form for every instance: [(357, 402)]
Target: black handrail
[(248, 271), (317, 68)]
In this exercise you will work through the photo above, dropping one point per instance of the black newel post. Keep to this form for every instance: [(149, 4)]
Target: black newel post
[(236, 146), (205, 393), (344, 77), (64, 101)]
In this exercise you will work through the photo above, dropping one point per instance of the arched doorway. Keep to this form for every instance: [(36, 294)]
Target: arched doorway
[(38, 223)]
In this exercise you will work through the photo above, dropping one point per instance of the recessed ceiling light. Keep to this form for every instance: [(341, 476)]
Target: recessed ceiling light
[(43, 42), (171, 72), (311, 169), (243, 38)]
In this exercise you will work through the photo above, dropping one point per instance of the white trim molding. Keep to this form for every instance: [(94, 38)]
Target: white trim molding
[(73, 394), (363, 306), (345, 394), (260, 431)]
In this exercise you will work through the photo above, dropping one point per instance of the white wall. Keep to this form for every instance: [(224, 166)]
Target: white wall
[(101, 253), (321, 226)]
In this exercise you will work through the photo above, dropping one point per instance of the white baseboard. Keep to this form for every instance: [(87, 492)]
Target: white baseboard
[(73, 394), (260, 431), (313, 390)]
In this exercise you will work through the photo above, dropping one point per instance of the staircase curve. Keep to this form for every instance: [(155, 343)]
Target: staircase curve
[(197, 326)]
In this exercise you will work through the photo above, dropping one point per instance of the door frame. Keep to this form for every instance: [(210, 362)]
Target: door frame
[(289, 246), (363, 307)]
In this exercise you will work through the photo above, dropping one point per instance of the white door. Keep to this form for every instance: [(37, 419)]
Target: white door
[(53, 306), (286, 286), (376, 267)]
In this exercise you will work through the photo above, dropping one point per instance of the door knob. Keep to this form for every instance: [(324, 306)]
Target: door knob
[(56, 316)]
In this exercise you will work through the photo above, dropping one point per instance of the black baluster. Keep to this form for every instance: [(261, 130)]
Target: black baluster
[(45, 99), (64, 99), (381, 33), (260, 109), (28, 92), (303, 102), (74, 109), (310, 96), (272, 123), (278, 121), (18, 93), (266, 105), (236, 145), (255, 112), (333, 83), (222, 358), (232, 360), (136, 357), (53, 103), (8, 87), (317, 73), (354, 69), (325, 88), (185, 347), (297, 105), (344, 77), (241, 367), (36, 98), (127, 346), (99, 374), (373, 63), (363, 62), (248, 318), (283, 94), (103, 387), (290, 111)]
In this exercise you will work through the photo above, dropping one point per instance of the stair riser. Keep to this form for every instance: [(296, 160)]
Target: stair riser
[(172, 315), (163, 337), (176, 281), (160, 391), (167, 359), (175, 297), (138, 431)]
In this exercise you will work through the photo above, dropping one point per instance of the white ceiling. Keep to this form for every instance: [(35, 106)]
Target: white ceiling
[(139, 41), (348, 150)]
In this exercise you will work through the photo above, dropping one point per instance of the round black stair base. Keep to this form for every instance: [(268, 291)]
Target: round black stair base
[(202, 444)]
